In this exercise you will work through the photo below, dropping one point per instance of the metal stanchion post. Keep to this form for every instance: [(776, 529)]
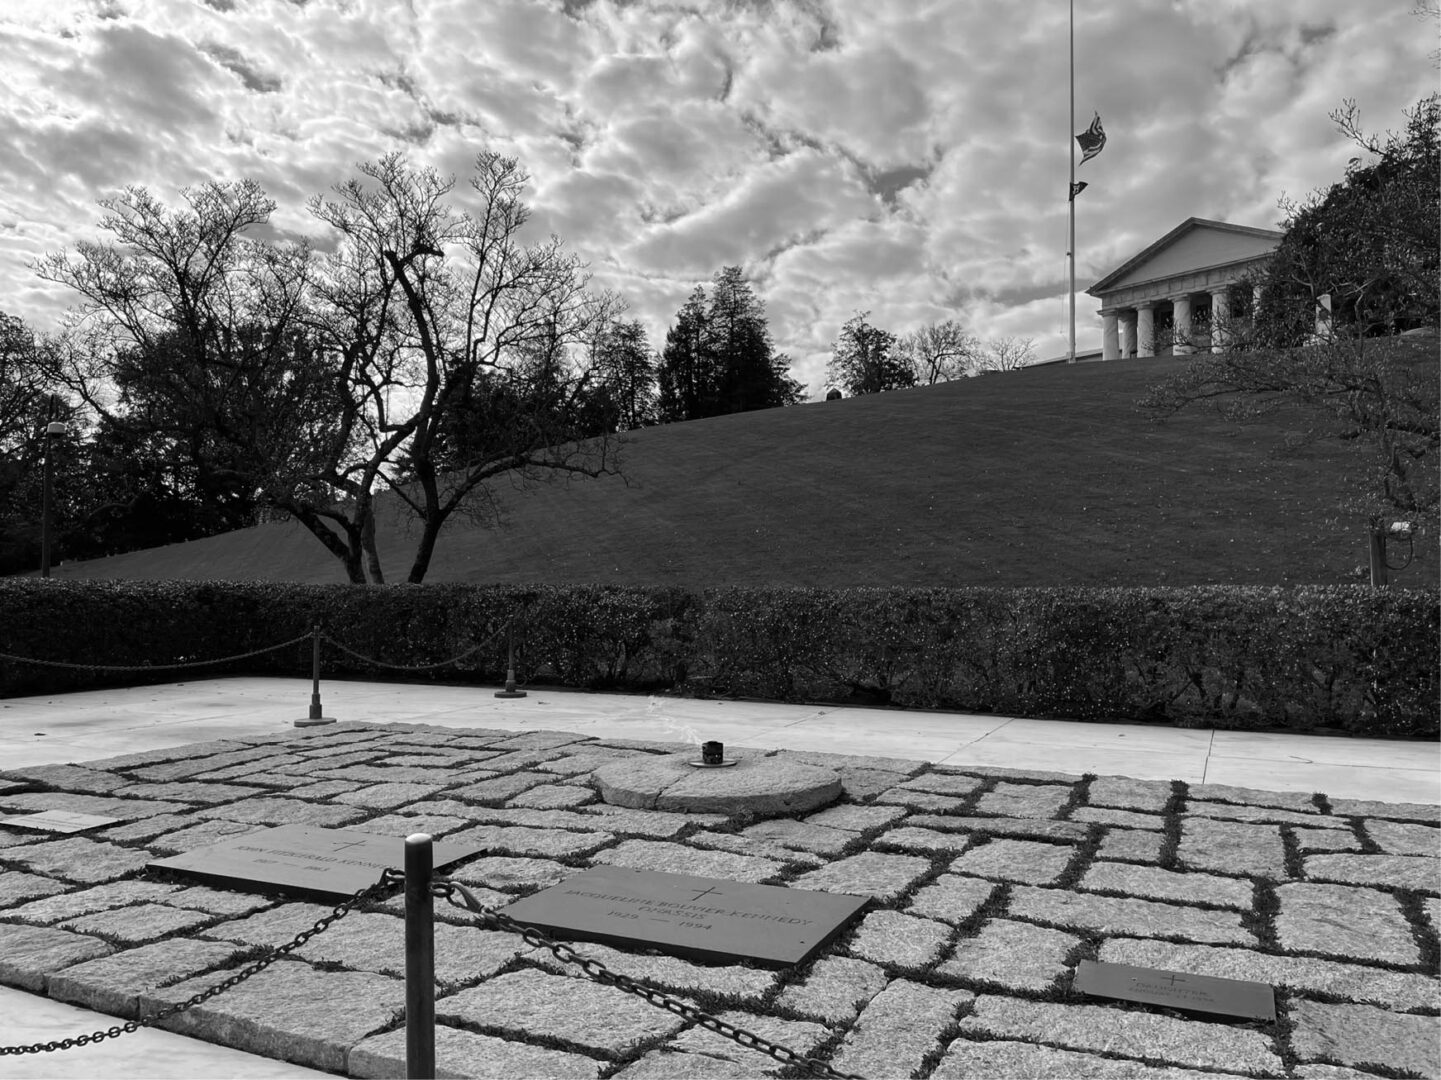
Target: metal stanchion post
[(510, 691), (419, 959), (316, 717)]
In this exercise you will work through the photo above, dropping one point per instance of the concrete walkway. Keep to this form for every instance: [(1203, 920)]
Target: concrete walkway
[(1109, 868)]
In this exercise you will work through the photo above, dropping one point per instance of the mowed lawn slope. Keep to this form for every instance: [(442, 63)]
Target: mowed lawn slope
[(1048, 476)]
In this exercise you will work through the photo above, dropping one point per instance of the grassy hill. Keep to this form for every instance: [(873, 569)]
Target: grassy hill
[(1039, 477)]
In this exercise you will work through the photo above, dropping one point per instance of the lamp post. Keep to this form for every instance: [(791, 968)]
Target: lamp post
[(52, 429), (1399, 531)]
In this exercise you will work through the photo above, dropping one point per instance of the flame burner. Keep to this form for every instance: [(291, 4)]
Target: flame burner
[(712, 756)]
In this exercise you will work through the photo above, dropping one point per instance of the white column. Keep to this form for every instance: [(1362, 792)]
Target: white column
[(1220, 318), (1181, 322), (1128, 333), (1110, 340), (1146, 329)]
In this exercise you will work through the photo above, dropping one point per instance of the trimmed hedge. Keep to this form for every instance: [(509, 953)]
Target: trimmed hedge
[(1348, 657)]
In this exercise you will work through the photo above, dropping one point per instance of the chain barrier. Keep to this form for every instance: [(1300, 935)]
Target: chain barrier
[(412, 667), (156, 667), (389, 881), (597, 971)]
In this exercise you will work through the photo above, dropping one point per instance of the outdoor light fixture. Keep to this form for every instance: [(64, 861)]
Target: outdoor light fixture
[(52, 429), (1396, 532)]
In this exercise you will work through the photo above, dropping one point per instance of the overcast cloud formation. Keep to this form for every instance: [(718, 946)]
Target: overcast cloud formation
[(908, 157)]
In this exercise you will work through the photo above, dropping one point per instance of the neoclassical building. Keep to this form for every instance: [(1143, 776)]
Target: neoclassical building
[(1169, 292)]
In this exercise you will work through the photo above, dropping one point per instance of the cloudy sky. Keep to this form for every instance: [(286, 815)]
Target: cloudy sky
[(906, 157)]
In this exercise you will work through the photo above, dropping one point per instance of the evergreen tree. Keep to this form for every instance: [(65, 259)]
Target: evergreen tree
[(625, 370), (685, 381)]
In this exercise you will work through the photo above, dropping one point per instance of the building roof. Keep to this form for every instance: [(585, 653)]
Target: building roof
[(1270, 236)]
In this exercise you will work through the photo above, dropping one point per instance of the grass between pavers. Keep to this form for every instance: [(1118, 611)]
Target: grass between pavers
[(369, 748)]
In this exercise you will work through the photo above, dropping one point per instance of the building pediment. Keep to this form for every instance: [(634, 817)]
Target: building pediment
[(1195, 246)]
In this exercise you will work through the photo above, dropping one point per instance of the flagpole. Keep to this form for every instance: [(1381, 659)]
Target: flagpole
[(1071, 192)]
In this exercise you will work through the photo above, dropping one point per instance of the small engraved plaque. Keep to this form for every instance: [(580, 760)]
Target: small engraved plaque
[(695, 917), (57, 821), (1177, 990), (329, 864)]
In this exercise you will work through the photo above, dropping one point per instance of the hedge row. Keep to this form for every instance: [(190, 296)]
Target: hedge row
[(1348, 657)]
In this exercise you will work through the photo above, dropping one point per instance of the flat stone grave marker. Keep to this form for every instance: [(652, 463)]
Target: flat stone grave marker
[(1177, 990), (694, 917), (330, 864), (57, 821)]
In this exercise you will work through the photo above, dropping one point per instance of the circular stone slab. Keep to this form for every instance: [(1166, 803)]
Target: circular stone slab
[(768, 787)]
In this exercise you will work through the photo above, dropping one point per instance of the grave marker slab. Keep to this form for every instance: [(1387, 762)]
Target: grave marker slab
[(57, 821), (694, 917), (329, 864), (1177, 990)]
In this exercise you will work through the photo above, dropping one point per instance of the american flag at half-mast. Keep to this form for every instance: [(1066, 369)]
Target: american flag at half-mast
[(1092, 140)]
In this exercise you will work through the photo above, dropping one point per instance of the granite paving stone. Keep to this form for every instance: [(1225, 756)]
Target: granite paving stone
[(253, 771), (835, 989), (1024, 800), (407, 824), (1155, 884), (1016, 860), (202, 835), (74, 778), (145, 828), (911, 839), (904, 766), (466, 1053), (677, 859), (112, 984), (1301, 802), (552, 797), (951, 898), (749, 845), (386, 796), (1146, 796), (496, 790), (968, 1059), (1035, 776), (182, 792), (18, 887), (1428, 812), (217, 901), (1395, 989), (381, 774), (898, 1028), (79, 859), (519, 840), (1029, 828), (710, 1051), (943, 784), (30, 953), (30, 802), (370, 941), (272, 927), (185, 768), (588, 760), (854, 818), (1345, 921), (507, 872), (1016, 955), (1193, 1043), (1362, 1035), (920, 800), (1117, 915), (323, 789), (288, 1011), (869, 874), (888, 937), (541, 740), (1326, 839), (1127, 819), (800, 834), (657, 824), (861, 784), (1417, 872), (52, 909), (278, 810), (1230, 812), (599, 1018), (1232, 848), (672, 973), (1404, 838), (1432, 906)]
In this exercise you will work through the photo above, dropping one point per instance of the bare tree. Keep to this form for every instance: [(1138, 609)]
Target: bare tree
[(1007, 354), (941, 352)]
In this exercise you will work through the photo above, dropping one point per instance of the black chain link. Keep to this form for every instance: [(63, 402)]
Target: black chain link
[(389, 881), (596, 970), (411, 667), (155, 667)]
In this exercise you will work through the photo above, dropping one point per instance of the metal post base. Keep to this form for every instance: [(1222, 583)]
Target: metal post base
[(316, 721)]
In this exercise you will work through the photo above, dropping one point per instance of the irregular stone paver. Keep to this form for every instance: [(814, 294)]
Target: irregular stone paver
[(190, 792), (408, 824), (764, 786), (1369, 808), (145, 828), (217, 901), (1115, 915), (1433, 913), (1326, 839), (919, 800), (1362, 923), (366, 941), (1400, 838), (924, 840), (1024, 800), (185, 768), (85, 901), (503, 872), (1131, 845), (749, 845), (202, 835), (856, 818), (1232, 848), (903, 766), (540, 740), (675, 859), (651, 823), (1397, 871), (17, 887), (324, 789), (900, 1026), (1016, 955), (800, 834), (588, 760), (870, 874), (273, 927), (1362, 1035), (519, 840), (943, 784), (888, 937), (951, 898), (1155, 884), (1228, 812), (1126, 819), (495, 791), (79, 859), (465, 1053), (1016, 860), (1400, 990), (250, 771), (1285, 800), (745, 984), (279, 810), (29, 953), (112, 983), (31, 802), (70, 777), (599, 1017), (553, 797), (861, 784), (388, 796), (699, 1054), (1030, 828), (967, 1059), (836, 989), (289, 1011), (1035, 776), (1125, 1031), (1146, 796)]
